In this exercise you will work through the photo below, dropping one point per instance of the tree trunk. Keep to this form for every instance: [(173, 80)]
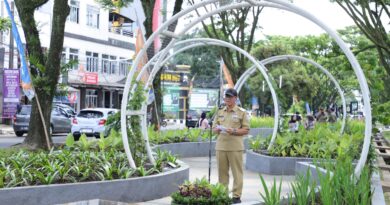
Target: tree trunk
[(44, 80), (149, 5)]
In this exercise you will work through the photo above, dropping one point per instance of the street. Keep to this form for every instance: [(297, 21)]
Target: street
[(9, 140)]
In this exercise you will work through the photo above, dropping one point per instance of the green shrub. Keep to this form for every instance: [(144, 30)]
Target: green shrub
[(271, 196), (321, 142), (85, 160), (257, 122), (201, 192), (178, 135), (339, 185)]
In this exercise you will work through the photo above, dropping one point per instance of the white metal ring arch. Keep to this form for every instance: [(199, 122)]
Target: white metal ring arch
[(252, 70), (196, 42), (243, 78), (209, 41), (249, 3)]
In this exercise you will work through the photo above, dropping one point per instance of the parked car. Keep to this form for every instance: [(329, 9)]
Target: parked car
[(60, 120), (68, 109), (91, 121)]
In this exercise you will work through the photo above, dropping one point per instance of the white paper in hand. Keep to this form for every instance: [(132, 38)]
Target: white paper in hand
[(222, 128)]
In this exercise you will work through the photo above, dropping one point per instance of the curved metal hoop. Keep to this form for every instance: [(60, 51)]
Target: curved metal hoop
[(249, 3), (251, 71), (210, 41)]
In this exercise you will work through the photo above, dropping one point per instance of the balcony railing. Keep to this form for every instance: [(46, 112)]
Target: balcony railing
[(121, 31)]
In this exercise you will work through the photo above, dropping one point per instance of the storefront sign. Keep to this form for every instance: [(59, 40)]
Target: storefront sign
[(90, 78), (11, 92)]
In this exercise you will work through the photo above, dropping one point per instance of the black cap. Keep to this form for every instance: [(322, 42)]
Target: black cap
[(231, 92)]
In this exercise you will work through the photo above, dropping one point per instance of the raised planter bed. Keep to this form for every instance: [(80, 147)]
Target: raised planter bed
[(272, 165), (192, 149), (188, 149), (376, 186), (123, 190)]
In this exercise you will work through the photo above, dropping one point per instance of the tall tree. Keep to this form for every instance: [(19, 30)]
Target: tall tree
[(368, 16), (148, 6), (316, 88), (45, 67), (233, 26)]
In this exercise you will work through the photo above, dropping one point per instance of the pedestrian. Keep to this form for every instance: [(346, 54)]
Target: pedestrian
[(203, 122), (321, 116), (231, 125), (310, 122), (292, 124), (332, 118)]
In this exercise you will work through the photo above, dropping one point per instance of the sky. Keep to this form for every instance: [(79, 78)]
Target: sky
[(279, 22)]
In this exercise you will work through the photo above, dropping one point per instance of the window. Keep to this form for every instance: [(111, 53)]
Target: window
[(93, 14), (90, 114), (74, 11), (92, 61), (74, 56), (113, 65), (91, 98), (105, 63), (63, 56), (124, 66)]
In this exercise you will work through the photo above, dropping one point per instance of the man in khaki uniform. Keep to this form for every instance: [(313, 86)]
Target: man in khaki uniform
[(231, 124)]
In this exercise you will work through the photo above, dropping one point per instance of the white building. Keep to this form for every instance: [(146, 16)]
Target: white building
[(102, 41)]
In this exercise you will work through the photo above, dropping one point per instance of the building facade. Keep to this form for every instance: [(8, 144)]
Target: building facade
[(101, 45)]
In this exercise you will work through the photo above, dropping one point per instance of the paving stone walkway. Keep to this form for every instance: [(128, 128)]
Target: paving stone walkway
[(252, 183)]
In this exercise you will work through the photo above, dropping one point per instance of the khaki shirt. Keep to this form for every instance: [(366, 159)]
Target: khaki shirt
[(236, 118)]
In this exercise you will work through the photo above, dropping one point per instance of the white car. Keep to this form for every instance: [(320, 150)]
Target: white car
[(91, 121)]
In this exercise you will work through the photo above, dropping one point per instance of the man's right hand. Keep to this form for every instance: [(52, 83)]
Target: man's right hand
[(216, 130)]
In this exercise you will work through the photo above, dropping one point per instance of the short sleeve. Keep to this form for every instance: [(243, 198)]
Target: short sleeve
[(215, 120), (245, 121)]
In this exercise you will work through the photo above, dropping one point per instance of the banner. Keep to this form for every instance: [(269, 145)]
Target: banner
[(308, 108), (11, 92), (203, 99), (24, 74), (156, 21), (171, 99), (151, 96)]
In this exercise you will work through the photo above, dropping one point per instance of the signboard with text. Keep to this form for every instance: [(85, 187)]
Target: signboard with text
[(90, 78), (203, 99), (171, 98), (11, 93)]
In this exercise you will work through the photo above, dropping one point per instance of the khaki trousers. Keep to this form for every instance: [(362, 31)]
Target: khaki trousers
[(233, 160)]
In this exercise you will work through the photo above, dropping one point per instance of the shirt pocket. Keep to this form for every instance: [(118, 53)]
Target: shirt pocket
[(236, 121)]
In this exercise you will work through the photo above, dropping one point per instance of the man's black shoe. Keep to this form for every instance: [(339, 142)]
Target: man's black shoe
[(236, 200)]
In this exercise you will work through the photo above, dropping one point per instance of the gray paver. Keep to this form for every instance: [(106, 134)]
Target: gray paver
[(252, 184)]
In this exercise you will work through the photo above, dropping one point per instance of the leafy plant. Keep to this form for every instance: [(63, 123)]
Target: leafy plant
[(257, 122), (271, 196), (303, 190), (201, 192)]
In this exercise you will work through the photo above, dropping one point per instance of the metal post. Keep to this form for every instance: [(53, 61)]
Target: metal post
[(11, 42)]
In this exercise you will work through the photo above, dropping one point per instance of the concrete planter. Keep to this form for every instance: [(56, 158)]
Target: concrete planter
[(123, 190), (193, 149), (272, 165), (263, 132), (189, 149)]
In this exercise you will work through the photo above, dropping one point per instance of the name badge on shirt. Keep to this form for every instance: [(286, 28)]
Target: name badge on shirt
[(221, 118), (235, 117)]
